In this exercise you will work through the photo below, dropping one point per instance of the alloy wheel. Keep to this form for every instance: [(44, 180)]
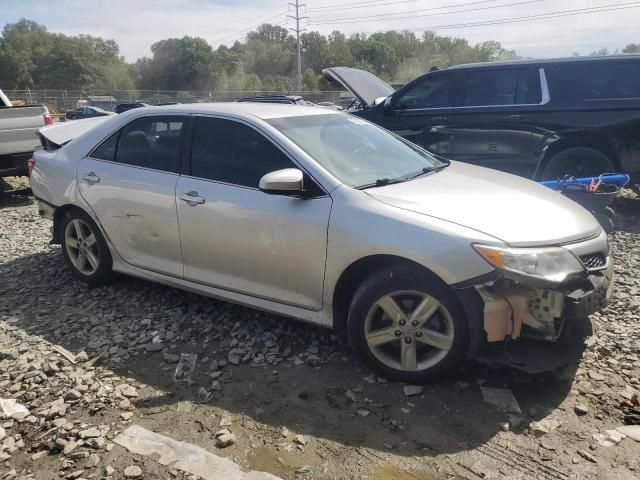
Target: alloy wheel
[(409, 330), (82, 247)]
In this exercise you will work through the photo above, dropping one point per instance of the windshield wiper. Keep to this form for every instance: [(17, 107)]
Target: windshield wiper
[(381, 182), (427, 170)]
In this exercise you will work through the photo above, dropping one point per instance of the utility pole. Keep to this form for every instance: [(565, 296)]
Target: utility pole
[(297, 5)]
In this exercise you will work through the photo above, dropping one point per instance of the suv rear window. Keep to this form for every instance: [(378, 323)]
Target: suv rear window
[(583, 82), (500, 87)]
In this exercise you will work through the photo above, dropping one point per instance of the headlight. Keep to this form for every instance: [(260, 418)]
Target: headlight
[(553, 264)]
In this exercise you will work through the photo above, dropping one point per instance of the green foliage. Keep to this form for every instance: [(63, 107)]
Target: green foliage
[(31, 57), (631, 48)]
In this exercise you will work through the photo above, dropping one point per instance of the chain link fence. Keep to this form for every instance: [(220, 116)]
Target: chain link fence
[(59, 101)]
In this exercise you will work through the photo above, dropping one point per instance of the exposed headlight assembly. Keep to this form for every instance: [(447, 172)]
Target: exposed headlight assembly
[(552, 264)]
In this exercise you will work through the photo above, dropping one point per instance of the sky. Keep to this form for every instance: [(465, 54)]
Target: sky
[(136, 24)]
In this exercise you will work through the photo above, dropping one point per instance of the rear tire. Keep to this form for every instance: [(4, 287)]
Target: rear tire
[(577, 162), (84, 248), (427, 339)]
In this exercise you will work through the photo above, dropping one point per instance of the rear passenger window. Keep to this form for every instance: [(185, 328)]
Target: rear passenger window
[(582, 82), (231, 152), (499, 87), (151, 142), (107, 149)]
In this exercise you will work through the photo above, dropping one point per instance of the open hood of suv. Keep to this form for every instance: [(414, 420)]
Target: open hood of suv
[(365, 86), (518, 211)]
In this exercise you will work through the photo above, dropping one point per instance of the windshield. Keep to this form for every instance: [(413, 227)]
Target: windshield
[(357, 152)]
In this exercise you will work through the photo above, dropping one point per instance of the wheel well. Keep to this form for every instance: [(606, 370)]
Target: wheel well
[(60, 211), (356, 273), (600, 144)]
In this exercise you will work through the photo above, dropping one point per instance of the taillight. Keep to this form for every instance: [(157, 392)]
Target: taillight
[(31, 163), (47, 119)]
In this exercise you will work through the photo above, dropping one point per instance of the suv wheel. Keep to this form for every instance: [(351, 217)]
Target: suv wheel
[(84, 248), (406, 327), (577, 162)]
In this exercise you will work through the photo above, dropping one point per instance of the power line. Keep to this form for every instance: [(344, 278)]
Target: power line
[(254, 20), (562, 13), (375, 18), (367, 3), (235, 34)]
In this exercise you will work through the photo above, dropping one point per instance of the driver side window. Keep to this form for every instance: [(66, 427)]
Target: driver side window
[(432, 91), (231, 152)]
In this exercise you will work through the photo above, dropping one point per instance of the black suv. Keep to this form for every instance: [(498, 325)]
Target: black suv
[(542, 119), (125, 107)]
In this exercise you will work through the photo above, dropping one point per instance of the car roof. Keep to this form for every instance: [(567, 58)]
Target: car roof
[(263, 111), (594, 58)]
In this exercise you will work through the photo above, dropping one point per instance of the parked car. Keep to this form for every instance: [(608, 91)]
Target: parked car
[(123, 107), (86, 112), (285, 99), (542, 119), (322, 216), (18, 140)]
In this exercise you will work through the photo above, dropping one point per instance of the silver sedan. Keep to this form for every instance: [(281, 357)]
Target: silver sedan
[(321, 216)]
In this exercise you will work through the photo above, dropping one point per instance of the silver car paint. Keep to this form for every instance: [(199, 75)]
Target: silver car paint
[(515, 210), (360, 225)]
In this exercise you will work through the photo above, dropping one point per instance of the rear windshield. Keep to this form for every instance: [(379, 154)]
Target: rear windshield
[(592, 82)]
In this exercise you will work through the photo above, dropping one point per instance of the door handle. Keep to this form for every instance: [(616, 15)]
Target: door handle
[(91, 177), (439, 119), (515, 117), (192, 198)]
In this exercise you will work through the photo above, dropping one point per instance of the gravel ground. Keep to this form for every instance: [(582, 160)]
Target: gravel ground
[(294, 400)]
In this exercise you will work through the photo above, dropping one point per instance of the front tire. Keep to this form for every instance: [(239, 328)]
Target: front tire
[(407, 327), (577, 162), (85, 249)]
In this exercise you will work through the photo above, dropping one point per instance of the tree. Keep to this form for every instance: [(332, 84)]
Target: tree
[(631, 48)]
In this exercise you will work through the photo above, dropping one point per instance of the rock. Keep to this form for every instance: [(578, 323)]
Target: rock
[(93, 461), (580, 409), (284, 432), (153, 347), (129, 392), (170, 357), (412, 390), (363, 412), (39, 455), (126, 415), (314, 360), (75, 475), (132, 471), (303, 470), (216, 386), (608, 438), (3, 433), (82, 357), (109, 470), (233, 357), (350, 396), (89, 433), (587, 456), (544, 426), (225, 440), (69, 447), (73, 394), (631, 431), (300, 440), (515, 420)]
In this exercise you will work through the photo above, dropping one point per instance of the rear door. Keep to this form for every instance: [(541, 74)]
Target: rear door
[(129, 182), (491, 124), (420, 112), (238, 238)]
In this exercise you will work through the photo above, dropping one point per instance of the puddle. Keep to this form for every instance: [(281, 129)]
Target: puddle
[(387, 472), (279, 463)]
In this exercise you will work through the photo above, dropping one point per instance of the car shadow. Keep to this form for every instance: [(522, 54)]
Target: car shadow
[(41, 297), (14, 197)]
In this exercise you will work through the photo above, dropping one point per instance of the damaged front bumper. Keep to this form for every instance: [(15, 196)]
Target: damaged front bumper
[(512, 309)]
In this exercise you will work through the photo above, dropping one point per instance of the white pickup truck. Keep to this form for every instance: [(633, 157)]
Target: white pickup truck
[(18, 135)]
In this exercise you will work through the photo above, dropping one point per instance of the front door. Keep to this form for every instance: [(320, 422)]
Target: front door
[(238, 238), (129, 182)]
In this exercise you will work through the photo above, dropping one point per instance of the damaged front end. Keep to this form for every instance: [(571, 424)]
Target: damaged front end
[(513, 305)]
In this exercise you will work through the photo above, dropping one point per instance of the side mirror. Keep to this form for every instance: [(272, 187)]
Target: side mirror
[(282, 182), (387, 108)]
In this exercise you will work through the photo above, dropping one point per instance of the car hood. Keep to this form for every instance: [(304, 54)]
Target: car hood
[(61, 133), (365, 86), (515, 210)]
